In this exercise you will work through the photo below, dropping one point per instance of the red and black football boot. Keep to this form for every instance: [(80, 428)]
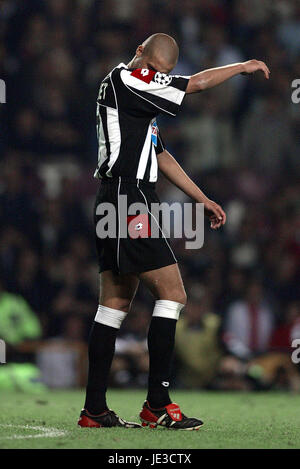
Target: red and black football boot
[(107, 419), (169, 416)]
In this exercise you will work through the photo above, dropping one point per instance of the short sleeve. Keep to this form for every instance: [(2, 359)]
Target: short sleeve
[(155, 89)]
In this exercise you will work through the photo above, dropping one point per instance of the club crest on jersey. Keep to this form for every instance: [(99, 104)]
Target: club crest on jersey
[(154, 130), (143, 74), (162, 79)]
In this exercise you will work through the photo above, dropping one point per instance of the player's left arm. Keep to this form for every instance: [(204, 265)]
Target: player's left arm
[(175, 174), (215, 76)]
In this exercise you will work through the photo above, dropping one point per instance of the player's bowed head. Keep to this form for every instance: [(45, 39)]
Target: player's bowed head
[(158, 52)]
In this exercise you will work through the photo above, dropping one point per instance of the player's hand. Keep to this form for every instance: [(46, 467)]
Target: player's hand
[(253, 65), (215, 213)]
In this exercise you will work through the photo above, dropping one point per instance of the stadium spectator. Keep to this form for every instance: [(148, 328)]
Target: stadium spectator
[(197, 347), (249, 323)]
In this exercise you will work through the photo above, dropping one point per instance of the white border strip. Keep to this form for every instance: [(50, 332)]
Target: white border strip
[(46, 432)]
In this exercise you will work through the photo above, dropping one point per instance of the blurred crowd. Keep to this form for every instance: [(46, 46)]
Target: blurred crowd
[(240, 142)]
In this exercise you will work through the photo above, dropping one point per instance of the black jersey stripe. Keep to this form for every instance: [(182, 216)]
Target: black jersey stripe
[(179, 82), (148, 166), (103, 116)]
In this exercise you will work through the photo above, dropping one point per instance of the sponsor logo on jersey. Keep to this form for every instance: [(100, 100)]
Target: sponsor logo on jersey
[(154, 131), (143, 74)]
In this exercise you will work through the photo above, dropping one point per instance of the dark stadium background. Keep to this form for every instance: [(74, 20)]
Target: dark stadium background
[(240, 142)]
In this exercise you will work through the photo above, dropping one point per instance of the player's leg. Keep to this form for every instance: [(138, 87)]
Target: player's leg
[(116, 295), (167, 287)]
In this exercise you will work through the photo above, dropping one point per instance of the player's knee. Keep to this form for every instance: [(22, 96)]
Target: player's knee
[(182, 298), (178, 295), (120, 304)]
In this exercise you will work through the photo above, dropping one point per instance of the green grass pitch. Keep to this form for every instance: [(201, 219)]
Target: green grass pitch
[(232, 420)]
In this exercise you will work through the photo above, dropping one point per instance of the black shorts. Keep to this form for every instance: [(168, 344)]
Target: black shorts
[(135, 252)]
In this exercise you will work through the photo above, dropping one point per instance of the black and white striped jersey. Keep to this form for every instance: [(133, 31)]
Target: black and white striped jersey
[(128, 102)]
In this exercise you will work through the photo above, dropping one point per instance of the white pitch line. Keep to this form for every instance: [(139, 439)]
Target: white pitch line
[(46, 432)]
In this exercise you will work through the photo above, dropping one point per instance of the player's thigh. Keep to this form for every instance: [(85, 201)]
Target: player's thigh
[(165, 283), (117, 291)]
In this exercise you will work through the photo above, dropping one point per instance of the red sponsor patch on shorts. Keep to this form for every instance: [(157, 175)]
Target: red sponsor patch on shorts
[(138, 226), (143, 74)]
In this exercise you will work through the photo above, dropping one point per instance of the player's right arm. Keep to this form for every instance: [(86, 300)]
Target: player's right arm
[(215, 76)]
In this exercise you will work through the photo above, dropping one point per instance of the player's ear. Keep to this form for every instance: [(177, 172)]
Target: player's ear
[(139, 51)]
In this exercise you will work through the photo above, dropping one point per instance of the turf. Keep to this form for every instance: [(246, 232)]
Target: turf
[(232, 420)]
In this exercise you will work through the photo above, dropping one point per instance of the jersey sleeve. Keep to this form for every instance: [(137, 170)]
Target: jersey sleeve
[(154, 91)]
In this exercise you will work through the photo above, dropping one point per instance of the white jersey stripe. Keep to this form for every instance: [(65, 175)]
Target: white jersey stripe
[(154, 166), (102, 149), (169, 93), (145, 154)]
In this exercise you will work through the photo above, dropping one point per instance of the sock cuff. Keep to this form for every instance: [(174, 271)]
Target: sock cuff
[(110, 317), (167, 309)]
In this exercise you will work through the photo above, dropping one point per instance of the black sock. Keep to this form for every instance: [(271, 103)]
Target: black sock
[(161, 339), (101, 351)]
